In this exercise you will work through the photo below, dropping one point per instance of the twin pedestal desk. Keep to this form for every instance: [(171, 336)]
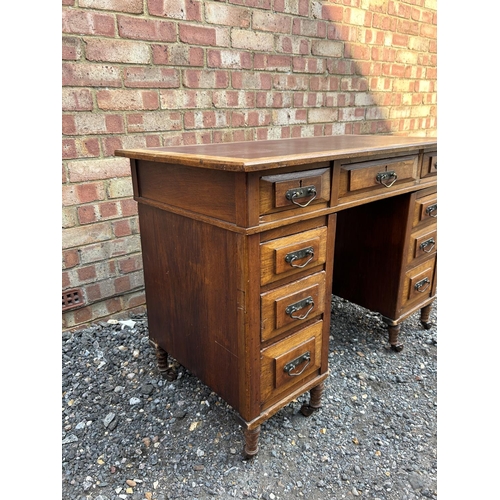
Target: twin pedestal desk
[(244, 243)]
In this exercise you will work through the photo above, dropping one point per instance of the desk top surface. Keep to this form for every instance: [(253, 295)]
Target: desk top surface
[(258, 155)]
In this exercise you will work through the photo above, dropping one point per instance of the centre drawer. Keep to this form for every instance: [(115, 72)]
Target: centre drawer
[(284, 257), (362, 177), (290, 305), (290, 361)]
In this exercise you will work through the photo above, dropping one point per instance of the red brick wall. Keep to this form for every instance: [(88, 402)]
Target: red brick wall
[(138, 73)]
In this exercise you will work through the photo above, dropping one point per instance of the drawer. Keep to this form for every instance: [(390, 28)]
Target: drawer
[(425, 209), (423, 243), (290, 361), (290, 305), (294, 190), (429, 165), (419, 283), (286, 256), (360, 177)]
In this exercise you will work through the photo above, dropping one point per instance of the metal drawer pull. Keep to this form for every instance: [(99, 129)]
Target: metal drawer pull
[(422, 283), (293, 308), (383, 176), (430, 209), (296, 362), (302, 192), (426, 243), (300, 254)]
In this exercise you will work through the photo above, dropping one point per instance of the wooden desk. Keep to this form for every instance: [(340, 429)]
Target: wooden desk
[(238, 244)]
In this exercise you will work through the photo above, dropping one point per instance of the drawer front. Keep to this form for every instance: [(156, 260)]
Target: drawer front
[(286, 256), (377, 175), (294, 190), (419, 283), (423, 243), (290, 305), (429, 165), (425, 209), (288, 362)]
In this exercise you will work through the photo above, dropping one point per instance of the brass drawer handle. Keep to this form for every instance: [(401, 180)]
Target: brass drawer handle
[(296, 362), (382, 178), (293, 308), (426, 243), (422, 283), (430, 209), (302, 192), (300, 254)]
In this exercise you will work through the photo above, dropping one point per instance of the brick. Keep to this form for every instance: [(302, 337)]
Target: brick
[(206, 119), (289, 116), (75, 194), (128, 207), (261, 4), (130, 6), (152, 77), (87, 23), (290, 82), (90, 170), (187, 10), (127, 100), (130, 264), (322, 115), (357, 51), (87, 214), (309, 65), (227, 15), (178, 55), (81, 148), (267, 21), (270, 62), (233, 99), (91, 75), (182, 99), (197, 35), (76, 100), (154, 121), (251, 80), (68, 125), (122, 228), (83, 235), (300, 8), (205, 78), (146, 29), (309, 28), (327, 48), (71, 48), (120, 188), (256, 118), (91, 123), (86, 273), (351, 114), (71, 258), (292, 44), (119, 51), (69, 217), (332, 12), (229, 59), (252, 40), (135, 302)]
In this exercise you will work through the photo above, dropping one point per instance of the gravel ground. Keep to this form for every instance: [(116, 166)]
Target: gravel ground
[(129, 434)]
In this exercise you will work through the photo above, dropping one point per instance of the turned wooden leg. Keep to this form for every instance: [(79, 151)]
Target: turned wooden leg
[(251, 442), (315, 400), (425, 312), (393, 337), (166, 371)]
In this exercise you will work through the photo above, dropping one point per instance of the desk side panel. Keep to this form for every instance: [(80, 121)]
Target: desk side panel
[(191, 278), (202, 191)]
